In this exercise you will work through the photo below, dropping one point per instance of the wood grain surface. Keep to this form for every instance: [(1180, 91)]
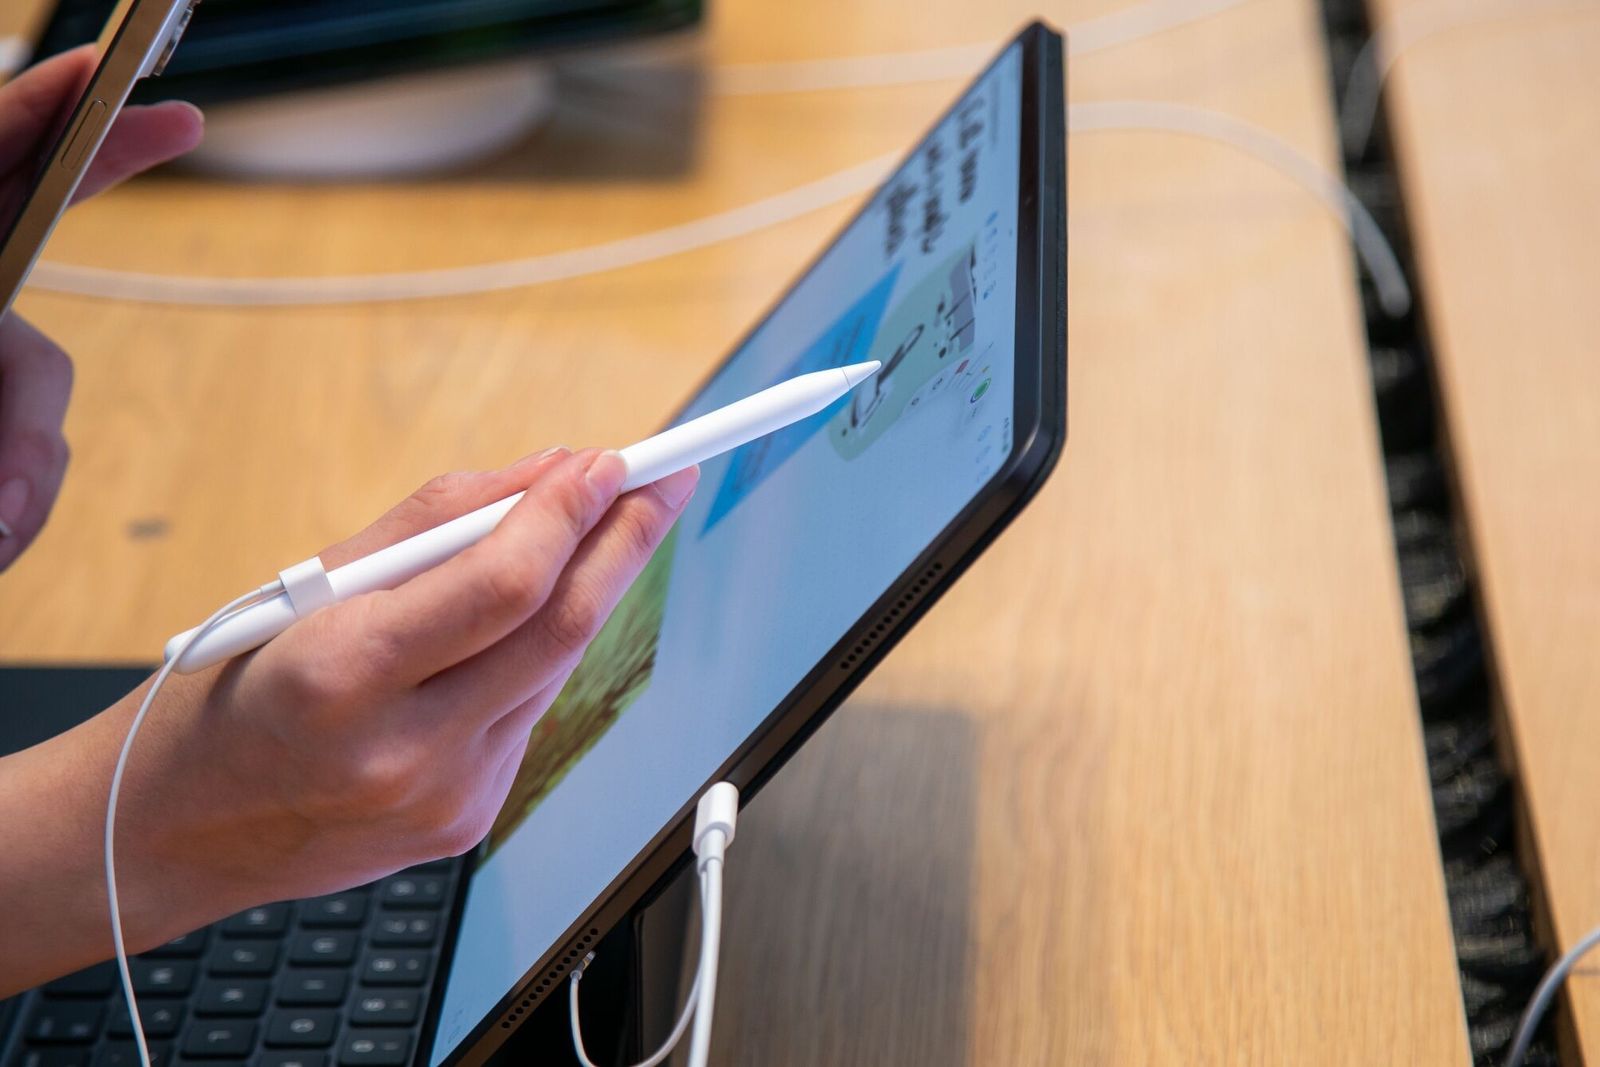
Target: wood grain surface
[(1147, 787), (1496, 126)]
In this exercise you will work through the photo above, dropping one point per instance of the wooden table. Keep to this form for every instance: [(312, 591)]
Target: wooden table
[(1146, 788), (1496, 126)]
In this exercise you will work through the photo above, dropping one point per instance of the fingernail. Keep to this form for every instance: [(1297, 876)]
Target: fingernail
[(534, 457), (606, 474), (676, 489), (13, 501)]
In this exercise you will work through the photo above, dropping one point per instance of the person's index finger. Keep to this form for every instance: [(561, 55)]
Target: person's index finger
[(440, 500), (607, 563), (467, 603), (141, 138)]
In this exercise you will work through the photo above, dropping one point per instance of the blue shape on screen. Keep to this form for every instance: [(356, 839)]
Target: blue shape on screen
[(847, 341)]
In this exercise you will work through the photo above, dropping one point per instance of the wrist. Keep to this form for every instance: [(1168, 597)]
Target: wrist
[(197, 838), (54, 914)]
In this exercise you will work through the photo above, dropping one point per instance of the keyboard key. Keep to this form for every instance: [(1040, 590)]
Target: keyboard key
[(292, 1058), (313, 988), (220, 1039), (384, 1009), (62, 1022), (96, 981), (126, 1054), (231, 996), (304, 1027), (376, 1048), (401, 930), (160, 1018), (396, 966), (420, 891), (269, 921), (162, 978), (323, 949), (187, 947), (244, 959), (340, 909), (52, 1057)]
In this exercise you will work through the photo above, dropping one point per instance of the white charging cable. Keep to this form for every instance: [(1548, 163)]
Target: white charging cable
[(1408, 28), (271, 589), (1103, 115), (1546, 993), (468, 280), (715, 820), (1130, 24), (885, 69), (1394, 294)]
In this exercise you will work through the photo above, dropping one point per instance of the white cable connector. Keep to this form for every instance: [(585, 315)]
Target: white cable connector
[(718, 810), (715, 819)]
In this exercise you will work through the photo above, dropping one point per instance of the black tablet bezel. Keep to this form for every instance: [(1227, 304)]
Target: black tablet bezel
[(1039, 433)]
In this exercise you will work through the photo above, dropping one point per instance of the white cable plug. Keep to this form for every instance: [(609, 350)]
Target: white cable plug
[(715, 819), (269, 590), (714, 822)]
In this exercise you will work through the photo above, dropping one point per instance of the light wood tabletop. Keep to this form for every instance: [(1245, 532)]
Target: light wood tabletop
[(1147, 787), (1495, 125)]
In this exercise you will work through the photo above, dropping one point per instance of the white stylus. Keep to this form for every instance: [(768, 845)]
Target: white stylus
[(307, 587)]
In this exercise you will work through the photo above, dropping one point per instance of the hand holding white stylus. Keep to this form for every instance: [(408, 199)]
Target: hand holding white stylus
[(307, 587)]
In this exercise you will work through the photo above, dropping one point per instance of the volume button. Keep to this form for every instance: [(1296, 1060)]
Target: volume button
[(84, 136)]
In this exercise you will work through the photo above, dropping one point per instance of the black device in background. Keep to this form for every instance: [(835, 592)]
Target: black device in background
[(327, 975), (238, 49)]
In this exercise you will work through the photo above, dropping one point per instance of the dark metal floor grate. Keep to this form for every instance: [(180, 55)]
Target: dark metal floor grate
[(1499, 957)]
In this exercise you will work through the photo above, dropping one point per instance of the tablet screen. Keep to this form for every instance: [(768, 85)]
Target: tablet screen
[(787, 545)]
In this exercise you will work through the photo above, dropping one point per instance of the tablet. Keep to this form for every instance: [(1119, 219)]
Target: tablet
[(804, 556)]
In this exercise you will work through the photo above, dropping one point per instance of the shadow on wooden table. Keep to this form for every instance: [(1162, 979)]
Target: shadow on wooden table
[(848, 894)]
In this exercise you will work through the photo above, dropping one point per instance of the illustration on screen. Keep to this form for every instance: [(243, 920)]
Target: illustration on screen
[(926, 348), (613, 673)]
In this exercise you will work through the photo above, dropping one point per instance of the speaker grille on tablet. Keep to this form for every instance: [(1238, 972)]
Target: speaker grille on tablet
[(559, 970), (908, 600)]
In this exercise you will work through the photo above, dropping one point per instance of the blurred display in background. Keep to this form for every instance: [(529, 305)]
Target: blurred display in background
[(335, 89), (239, 49)]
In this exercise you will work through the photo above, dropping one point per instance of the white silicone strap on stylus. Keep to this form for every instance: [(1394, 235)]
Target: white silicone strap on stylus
[(308, 587)]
